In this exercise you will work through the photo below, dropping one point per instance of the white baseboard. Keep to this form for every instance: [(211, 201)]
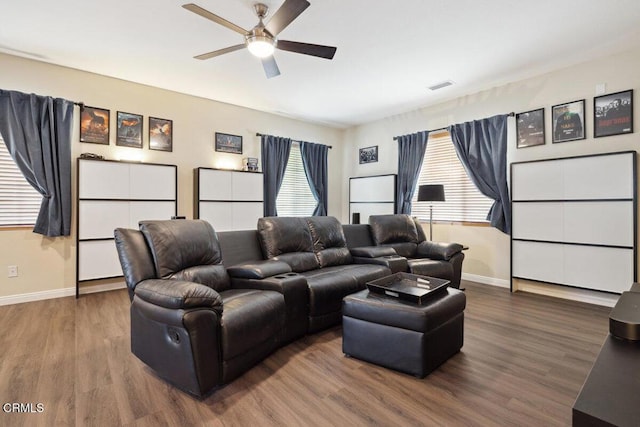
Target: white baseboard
[(59, 293), (486, 280), (37, 296)]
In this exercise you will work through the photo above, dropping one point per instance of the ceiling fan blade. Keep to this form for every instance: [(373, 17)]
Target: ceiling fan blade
[(215, 18), (270, 67), (320, 51), (220, 51), (289, 11)]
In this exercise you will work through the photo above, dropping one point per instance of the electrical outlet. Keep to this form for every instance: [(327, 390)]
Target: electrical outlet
[(12, 271)]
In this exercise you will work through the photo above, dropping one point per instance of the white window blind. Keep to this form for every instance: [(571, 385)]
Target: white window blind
[(295, 198), (19, 201), (464, 203)]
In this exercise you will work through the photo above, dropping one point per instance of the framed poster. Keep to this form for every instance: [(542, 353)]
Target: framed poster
[(228, 143), (94, 125), (129, 131), (530, 128), (160, 134), (568, 121), (613, 114), (368, 154)]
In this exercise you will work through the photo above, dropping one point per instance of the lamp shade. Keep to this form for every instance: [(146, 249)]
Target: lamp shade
[(431, 193)]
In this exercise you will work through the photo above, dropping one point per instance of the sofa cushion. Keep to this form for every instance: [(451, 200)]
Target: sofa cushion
[(393, 229), (329, 242), (327, 286), (177, 245), (406, 249), (287, 239)]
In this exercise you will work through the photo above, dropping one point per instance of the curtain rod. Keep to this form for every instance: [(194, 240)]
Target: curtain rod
[(395, 138), (79, 104), (293, 140)]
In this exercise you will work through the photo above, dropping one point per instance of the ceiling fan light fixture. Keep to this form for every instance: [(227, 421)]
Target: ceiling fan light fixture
[(260, 46)]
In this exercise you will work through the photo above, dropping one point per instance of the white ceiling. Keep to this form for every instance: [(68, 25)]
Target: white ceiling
[(388, 52)]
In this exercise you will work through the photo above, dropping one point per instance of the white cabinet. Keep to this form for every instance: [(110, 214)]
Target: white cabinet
[(371, 195), (574, 221), (228, 200), (114, 194)]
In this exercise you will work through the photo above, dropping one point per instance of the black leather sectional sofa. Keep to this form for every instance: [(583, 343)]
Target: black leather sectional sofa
[(207, 306)]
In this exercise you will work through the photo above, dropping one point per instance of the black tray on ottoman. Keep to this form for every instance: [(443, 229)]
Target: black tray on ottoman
[(408, 287)]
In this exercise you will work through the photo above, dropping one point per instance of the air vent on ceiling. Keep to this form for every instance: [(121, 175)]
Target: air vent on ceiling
[(440, 85)]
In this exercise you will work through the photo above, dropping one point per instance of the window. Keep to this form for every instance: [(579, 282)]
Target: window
[(295, 198), (464, 203), (19, 201)]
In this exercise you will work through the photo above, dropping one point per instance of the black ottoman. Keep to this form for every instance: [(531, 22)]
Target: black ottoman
[(400, 335)]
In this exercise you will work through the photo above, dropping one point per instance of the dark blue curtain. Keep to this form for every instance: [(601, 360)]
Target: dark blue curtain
[(314, 160), (37, 132), (482, 148), (411, 149), (275, 155)]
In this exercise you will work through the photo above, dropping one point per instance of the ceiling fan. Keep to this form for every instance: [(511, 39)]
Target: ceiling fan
[(262, 39)]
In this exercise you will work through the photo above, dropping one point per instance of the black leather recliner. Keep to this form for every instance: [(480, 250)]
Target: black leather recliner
[(187, 321), (316, 249), (405, 236)]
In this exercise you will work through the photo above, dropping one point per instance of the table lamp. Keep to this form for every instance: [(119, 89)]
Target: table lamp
[(431, 193)]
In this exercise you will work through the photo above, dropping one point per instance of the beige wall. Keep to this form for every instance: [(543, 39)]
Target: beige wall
[(49, 264), (489, 253)]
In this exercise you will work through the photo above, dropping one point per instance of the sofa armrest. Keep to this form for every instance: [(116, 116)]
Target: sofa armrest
[(372, 251), (294, 288), (439, 251), (258, 269), (178, 294)]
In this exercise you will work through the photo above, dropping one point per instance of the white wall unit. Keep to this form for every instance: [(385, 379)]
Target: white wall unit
[(574, 221), (116, 194), (228, 200), (372, 195)]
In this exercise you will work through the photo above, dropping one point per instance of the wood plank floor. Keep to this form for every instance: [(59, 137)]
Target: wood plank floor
[(523, 363)]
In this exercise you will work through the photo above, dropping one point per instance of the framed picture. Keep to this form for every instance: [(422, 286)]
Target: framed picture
[(613, 114), (568, 121), (369, 154), (228, 143), (94, 125), (129, 131), (160, 134), (530, 128)]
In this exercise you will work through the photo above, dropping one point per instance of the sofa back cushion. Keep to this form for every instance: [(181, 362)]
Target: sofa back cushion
[(357, 235), (186, 250), (398, 231), (135, 257), (421, 235), (288, 239), (329, 242), (397, 228)]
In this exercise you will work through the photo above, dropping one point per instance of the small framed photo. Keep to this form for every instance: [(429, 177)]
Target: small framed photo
[(160, 134), (226, 143), (613, 114), (94, 125), (129, 131), (530, 128), (568, 121), (368, 154)]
